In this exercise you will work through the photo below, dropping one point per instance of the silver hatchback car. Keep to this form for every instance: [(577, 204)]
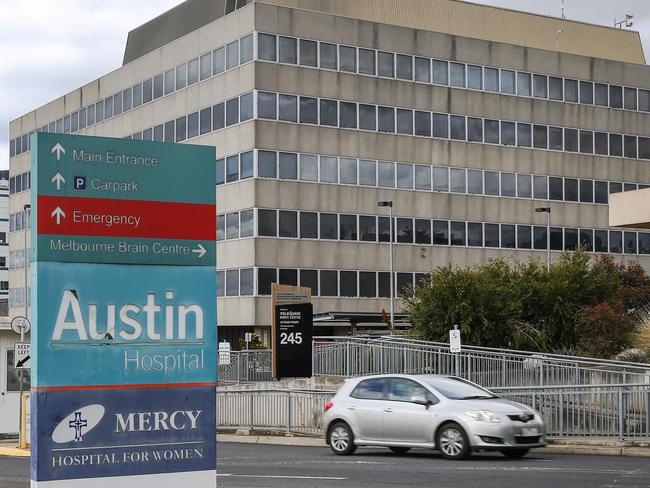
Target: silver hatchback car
[(446, 413)]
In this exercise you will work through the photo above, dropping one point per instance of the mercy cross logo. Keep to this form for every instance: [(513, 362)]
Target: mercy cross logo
[(77, 424)]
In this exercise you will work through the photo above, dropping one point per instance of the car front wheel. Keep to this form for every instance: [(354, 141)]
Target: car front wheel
[(342, 439), (452, 442)]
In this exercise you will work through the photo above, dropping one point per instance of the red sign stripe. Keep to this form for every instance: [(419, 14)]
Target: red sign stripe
[(125, 218)]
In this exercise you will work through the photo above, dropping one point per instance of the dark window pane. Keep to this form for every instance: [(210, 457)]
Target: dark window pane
[(491, 132), (555, 88), (440, 72), (587, 191), (644, 243), (232, 111), (615, 145), (383, 229), (523, 84), (329, 284), (587, 239), (524, 237), (570, 239), (181, 129), (159, 133), (246, 226), (266, 47), (246, 282), (404, 280), (474, 182), (232, 282), (288, 108), (586, 142), (441, 126), (265, 277), (221, 284), (386, 119), (601, 192), (600, 142), (147, 91), (491, 235), (600, 241), (169, 131), (206, 71), (404, 67), (570, 90), (508, 137), (266, 164), (586, 92), (404, 121), (423, 70), (508, 82), (288, 277), (288, 166), (328, 226), (348, 227), (555, 188), (474, 129), (246, 107), (615, 96), (644, 148), (328, 56), (308, 225), (508, 185), (423, 124), (601, 95), (405, 230), (348, 284), (457, 125), (232, 225), (507, 236), (367, 64), (328, 112), (539, 238), (629, 241), (232, 168), (440, 179), (232, 55), (540, 136), (474, 234), (540, 89), (218, 116), (367, 228), (629, 145), (386, 64), (441, 232), (555, 138), (367, 117), (644, 100), (557, 240), (474, 77), (367, 284), (615, 241), (457, 75), (266, 105), (348, 59), (308, 110), (570, 190), (192, 125), (309, 279), (615, 187), (308, 53), (367, 173), (491, 79), (571, 140), (267, 225), (288, 223), (288, 50), (457, 233), (422, 231), (348, 115), (404, 176), (523, 135), (246, 49)]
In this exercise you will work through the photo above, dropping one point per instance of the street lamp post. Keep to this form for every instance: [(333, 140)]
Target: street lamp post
[(547, 211), (389, 204)]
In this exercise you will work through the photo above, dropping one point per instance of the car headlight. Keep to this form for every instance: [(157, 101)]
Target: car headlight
[(483, 416)]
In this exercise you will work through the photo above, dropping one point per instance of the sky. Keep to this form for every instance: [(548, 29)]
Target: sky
[(48, 48)]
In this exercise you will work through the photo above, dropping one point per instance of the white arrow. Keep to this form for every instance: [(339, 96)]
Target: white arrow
[(200, 251), (58, 179), (58, 213), (58, 148)]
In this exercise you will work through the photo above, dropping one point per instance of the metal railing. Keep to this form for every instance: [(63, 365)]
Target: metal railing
[(287, 410), (238, 366), (620, 411), (352, 356)]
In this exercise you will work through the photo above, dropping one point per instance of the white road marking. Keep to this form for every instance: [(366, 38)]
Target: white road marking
[(332, 478)]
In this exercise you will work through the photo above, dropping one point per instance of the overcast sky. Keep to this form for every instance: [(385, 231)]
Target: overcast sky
[(50, 47)]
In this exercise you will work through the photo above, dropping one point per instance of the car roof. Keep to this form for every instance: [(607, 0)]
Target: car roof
[(398, 375)]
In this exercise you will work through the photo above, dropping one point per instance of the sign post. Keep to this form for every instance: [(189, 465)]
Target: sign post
[(21, 325), (123, 305)]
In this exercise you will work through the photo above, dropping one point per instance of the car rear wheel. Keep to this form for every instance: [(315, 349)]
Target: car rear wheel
[(515, 453), (342, 439), (452, 442), (399, 450)]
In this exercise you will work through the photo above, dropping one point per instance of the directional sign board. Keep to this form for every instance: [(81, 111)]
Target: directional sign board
[(22, 356), (106, 200), (123, 310)]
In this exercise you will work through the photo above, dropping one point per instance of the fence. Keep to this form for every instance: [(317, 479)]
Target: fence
[(237, 366), (351, 356), (600, 411)]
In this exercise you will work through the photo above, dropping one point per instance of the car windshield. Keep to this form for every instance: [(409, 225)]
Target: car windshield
[(458, 389)]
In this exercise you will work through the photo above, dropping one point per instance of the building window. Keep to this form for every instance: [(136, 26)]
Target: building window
[(267, 225), (13, 374), (328, 226), (266, 47), (328, 58), (348, 59), (308, 225), (288, 50), (288, 223), (367, 63), (309, 279), (308, 53), (265, 277)]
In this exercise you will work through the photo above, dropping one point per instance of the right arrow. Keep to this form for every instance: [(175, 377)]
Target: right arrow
[(20, 363), (58, 179), (58, 149), (58, 213), (200, 251)]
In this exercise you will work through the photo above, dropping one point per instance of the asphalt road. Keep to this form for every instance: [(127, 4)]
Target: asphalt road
[(261, 466)]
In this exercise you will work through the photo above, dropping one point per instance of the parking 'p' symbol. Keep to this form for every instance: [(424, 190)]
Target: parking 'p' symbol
[(79, 182)]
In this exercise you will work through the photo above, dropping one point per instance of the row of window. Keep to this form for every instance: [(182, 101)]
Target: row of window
[(370, 62), (19, 220), (198, 69), (323, 283), (408, 176), (17, 258), (21, 182), (293, 224), (395, 120), (224, 114)]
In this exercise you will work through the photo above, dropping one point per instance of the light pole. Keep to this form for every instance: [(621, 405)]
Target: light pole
[(547, 211), (389, 204), (21, 441)]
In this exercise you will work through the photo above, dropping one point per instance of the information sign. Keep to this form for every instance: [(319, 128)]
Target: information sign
[(22, 355), (294, 332)]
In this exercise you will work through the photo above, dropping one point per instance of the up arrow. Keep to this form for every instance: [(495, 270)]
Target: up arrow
[(58, 179), (200, 251), (58, 213), (58, 149)]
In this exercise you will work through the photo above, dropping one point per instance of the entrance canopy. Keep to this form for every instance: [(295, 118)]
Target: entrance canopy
[(370, 320)]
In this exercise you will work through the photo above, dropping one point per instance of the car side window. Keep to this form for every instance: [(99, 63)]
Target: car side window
[(403, 390), (369, 390)]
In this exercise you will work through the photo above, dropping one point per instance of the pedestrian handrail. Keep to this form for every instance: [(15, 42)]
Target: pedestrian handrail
[(613, 410), (491, 367)]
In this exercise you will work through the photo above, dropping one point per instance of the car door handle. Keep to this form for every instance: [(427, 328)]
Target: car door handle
[(352, 407), (388, 410)]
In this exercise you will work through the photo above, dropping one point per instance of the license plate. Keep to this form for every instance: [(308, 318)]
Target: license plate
[(530, 431)]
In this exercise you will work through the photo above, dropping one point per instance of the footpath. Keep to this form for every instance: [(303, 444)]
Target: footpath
[(575, 446)]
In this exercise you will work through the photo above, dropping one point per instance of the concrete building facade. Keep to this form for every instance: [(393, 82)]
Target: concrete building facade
[(321, 108)]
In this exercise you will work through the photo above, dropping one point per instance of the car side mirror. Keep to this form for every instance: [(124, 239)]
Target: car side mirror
[(418, 400)]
